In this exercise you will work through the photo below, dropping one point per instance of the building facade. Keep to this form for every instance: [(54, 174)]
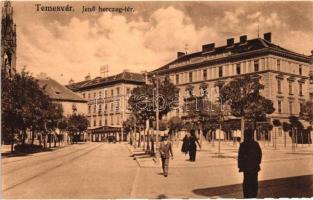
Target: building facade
[(285, 74), (107, 102), (71, 102), (8, 40)]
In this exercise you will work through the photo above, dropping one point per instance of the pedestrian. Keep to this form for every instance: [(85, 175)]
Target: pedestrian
[(249, 160), (165, 151), (193, 146), (185, 146)]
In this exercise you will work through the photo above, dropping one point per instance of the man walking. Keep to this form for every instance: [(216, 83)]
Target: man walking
[(165, 151), (249, 160)]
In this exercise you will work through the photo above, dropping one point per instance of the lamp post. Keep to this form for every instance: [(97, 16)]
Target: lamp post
[(157, 113)]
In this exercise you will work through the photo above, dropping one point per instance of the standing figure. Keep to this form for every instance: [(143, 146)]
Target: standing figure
[(185, 146), (249, 160), (165, 151), (193, 146)]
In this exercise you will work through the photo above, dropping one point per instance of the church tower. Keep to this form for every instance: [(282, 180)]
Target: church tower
[(8, 40)]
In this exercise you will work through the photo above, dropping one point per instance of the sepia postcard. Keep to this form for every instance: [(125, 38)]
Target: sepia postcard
[(156, 99)]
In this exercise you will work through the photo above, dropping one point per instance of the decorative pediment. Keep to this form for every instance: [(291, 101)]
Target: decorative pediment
[(302, 80), (280, 76), (291, 78)]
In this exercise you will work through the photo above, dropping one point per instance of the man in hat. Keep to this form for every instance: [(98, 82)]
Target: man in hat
[(165, 151), (249, 160)]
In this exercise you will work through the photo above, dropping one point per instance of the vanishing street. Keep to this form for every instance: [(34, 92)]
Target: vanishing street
[(102, 170)]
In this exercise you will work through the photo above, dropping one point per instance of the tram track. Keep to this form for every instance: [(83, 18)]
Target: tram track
[(21, 176), (33, 161)]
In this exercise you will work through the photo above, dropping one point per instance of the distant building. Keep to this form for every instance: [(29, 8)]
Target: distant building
[(71, 102), (8, 40), (285, 74), (107, 102)]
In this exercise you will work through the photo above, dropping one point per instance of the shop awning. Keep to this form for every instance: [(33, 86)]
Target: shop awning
[(105, 129)]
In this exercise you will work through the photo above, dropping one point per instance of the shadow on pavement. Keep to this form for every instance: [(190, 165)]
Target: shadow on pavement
[(161, 196), (300, 186)]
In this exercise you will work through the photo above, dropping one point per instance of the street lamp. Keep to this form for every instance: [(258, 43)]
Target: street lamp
[(157, 111)]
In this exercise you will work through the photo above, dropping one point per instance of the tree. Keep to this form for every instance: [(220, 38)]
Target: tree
[(306, 112), (130, 127), (175, 124), (77, 124), (243, 96), (24, 107), (143, 100), (286, 128)]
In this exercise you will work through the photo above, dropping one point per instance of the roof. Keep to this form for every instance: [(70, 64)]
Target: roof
[(58, 92), (124, 77), (237, 49)]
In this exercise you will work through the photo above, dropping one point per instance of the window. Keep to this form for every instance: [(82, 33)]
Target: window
[(88, 95), (89, 109), (256, 65), (112, 106), (100, 108), (94, 109), (112, 93), (94, 123), (111, 119), (84, 95), (118, 121), (278, 65), (279, 106), (94, 95), (74, 107), (300, 70), (177, 78), (279, 86), (100, 122), (127, 91), (238, 68), (105, 107), (100, 94), (301, 107), (117, 107), (290, 87), (290, 107), (220, 71), (190, 76), (205, 74), (105, 121), (118, 91), (105, 94), (300, 89)]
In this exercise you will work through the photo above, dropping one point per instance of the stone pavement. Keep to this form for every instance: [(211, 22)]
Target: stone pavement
[(208, 155)]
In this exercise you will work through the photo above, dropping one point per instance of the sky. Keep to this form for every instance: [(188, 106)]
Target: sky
[(71, 45)]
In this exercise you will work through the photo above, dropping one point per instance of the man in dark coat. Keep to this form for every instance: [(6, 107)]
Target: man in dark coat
[(185, 146), (249, 160), (193, 141), (165, 151)]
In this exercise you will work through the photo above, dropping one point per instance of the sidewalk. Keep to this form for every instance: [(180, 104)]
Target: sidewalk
[(208, 156)]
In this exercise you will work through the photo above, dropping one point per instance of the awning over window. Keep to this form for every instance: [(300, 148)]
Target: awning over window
[(105, 129)]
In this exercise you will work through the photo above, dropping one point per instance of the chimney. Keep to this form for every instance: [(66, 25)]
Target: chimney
[(230, 41), (71, 81), (88, 77), (208, 47), (243, 39), (268, 36), (180, 54)]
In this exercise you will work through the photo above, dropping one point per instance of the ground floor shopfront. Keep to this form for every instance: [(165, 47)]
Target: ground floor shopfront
[(107, 134)]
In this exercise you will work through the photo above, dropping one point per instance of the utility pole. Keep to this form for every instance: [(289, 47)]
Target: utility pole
[(157, 113)]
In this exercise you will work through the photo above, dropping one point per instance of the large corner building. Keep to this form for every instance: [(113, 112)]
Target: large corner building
[(284, 73), (107, 102)]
